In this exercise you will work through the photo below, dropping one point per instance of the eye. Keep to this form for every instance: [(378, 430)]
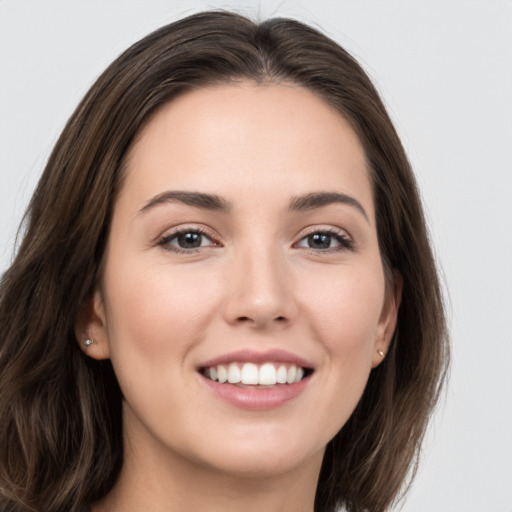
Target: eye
[(186, 240), (326, 240)]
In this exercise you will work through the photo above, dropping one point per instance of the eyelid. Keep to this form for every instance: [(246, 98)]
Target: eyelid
[(346, 243), (168, 235)]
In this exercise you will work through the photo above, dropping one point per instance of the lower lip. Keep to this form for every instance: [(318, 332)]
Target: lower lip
[(256, 398)]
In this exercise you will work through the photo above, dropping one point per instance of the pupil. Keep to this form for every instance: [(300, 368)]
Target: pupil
[(319, 241), (189, 240)]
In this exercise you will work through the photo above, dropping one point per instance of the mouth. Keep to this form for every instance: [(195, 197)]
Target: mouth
[(257, 380), (267, 374)]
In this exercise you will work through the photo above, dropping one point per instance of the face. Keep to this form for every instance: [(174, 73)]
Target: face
[(243, 245)]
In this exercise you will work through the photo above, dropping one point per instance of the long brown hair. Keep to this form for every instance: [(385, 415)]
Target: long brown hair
[(60, 428)]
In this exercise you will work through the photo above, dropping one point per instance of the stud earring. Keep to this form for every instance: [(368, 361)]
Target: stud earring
[(88, 342), (381, 354)]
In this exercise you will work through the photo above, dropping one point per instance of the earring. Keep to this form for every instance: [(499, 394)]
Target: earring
[(88, 342), (381, 354)]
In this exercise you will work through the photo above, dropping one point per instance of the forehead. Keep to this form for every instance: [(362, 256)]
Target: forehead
[(244, 139)]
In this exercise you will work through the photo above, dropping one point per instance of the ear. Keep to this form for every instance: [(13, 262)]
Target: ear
[(91, 324), (388, 319)]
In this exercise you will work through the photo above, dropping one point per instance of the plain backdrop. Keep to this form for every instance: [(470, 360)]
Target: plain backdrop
[(444, 68)]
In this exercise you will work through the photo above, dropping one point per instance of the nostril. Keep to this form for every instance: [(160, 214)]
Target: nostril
[(244, 319)]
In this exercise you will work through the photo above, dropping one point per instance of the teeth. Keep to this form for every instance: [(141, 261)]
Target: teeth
[(250, 374), (290, 376), (233, 374), (267, 374), (222, 374), (281, 374)]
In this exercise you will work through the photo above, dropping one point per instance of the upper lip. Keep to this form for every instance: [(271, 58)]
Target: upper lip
[(258, 356)]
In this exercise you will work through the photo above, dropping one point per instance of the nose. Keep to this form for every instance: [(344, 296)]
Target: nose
[(260, 291)]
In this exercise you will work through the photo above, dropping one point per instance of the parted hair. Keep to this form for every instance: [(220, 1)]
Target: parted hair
[(60, 411)]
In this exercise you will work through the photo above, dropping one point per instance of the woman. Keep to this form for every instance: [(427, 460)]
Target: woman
[(225, 297)]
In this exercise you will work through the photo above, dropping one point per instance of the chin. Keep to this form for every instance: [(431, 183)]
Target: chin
[(265, 463), (261, 452)]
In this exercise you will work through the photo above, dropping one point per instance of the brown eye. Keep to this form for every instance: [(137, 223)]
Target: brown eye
[(186, 240), (319, 241), (190, 240)]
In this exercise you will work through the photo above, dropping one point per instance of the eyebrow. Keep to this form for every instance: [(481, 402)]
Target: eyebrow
[(320, 199), (216, 203), (210, 202)]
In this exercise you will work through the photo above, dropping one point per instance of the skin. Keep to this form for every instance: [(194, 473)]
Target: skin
[(254, 283)]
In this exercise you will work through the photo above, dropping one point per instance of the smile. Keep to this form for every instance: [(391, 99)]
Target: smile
[(252, 374), (257, 380)]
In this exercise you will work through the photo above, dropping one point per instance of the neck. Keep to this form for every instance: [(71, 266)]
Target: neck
[(215, 493), (178, 484)]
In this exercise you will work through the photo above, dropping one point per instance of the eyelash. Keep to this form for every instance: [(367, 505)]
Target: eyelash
[(165, 241), (344, 241)]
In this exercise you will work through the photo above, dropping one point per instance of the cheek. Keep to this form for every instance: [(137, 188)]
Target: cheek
[(344, 316), (349, 304), (157, 313), (345, 311), (155, 318)]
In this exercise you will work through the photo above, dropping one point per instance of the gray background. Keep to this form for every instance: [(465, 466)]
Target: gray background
[(445, 71)]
